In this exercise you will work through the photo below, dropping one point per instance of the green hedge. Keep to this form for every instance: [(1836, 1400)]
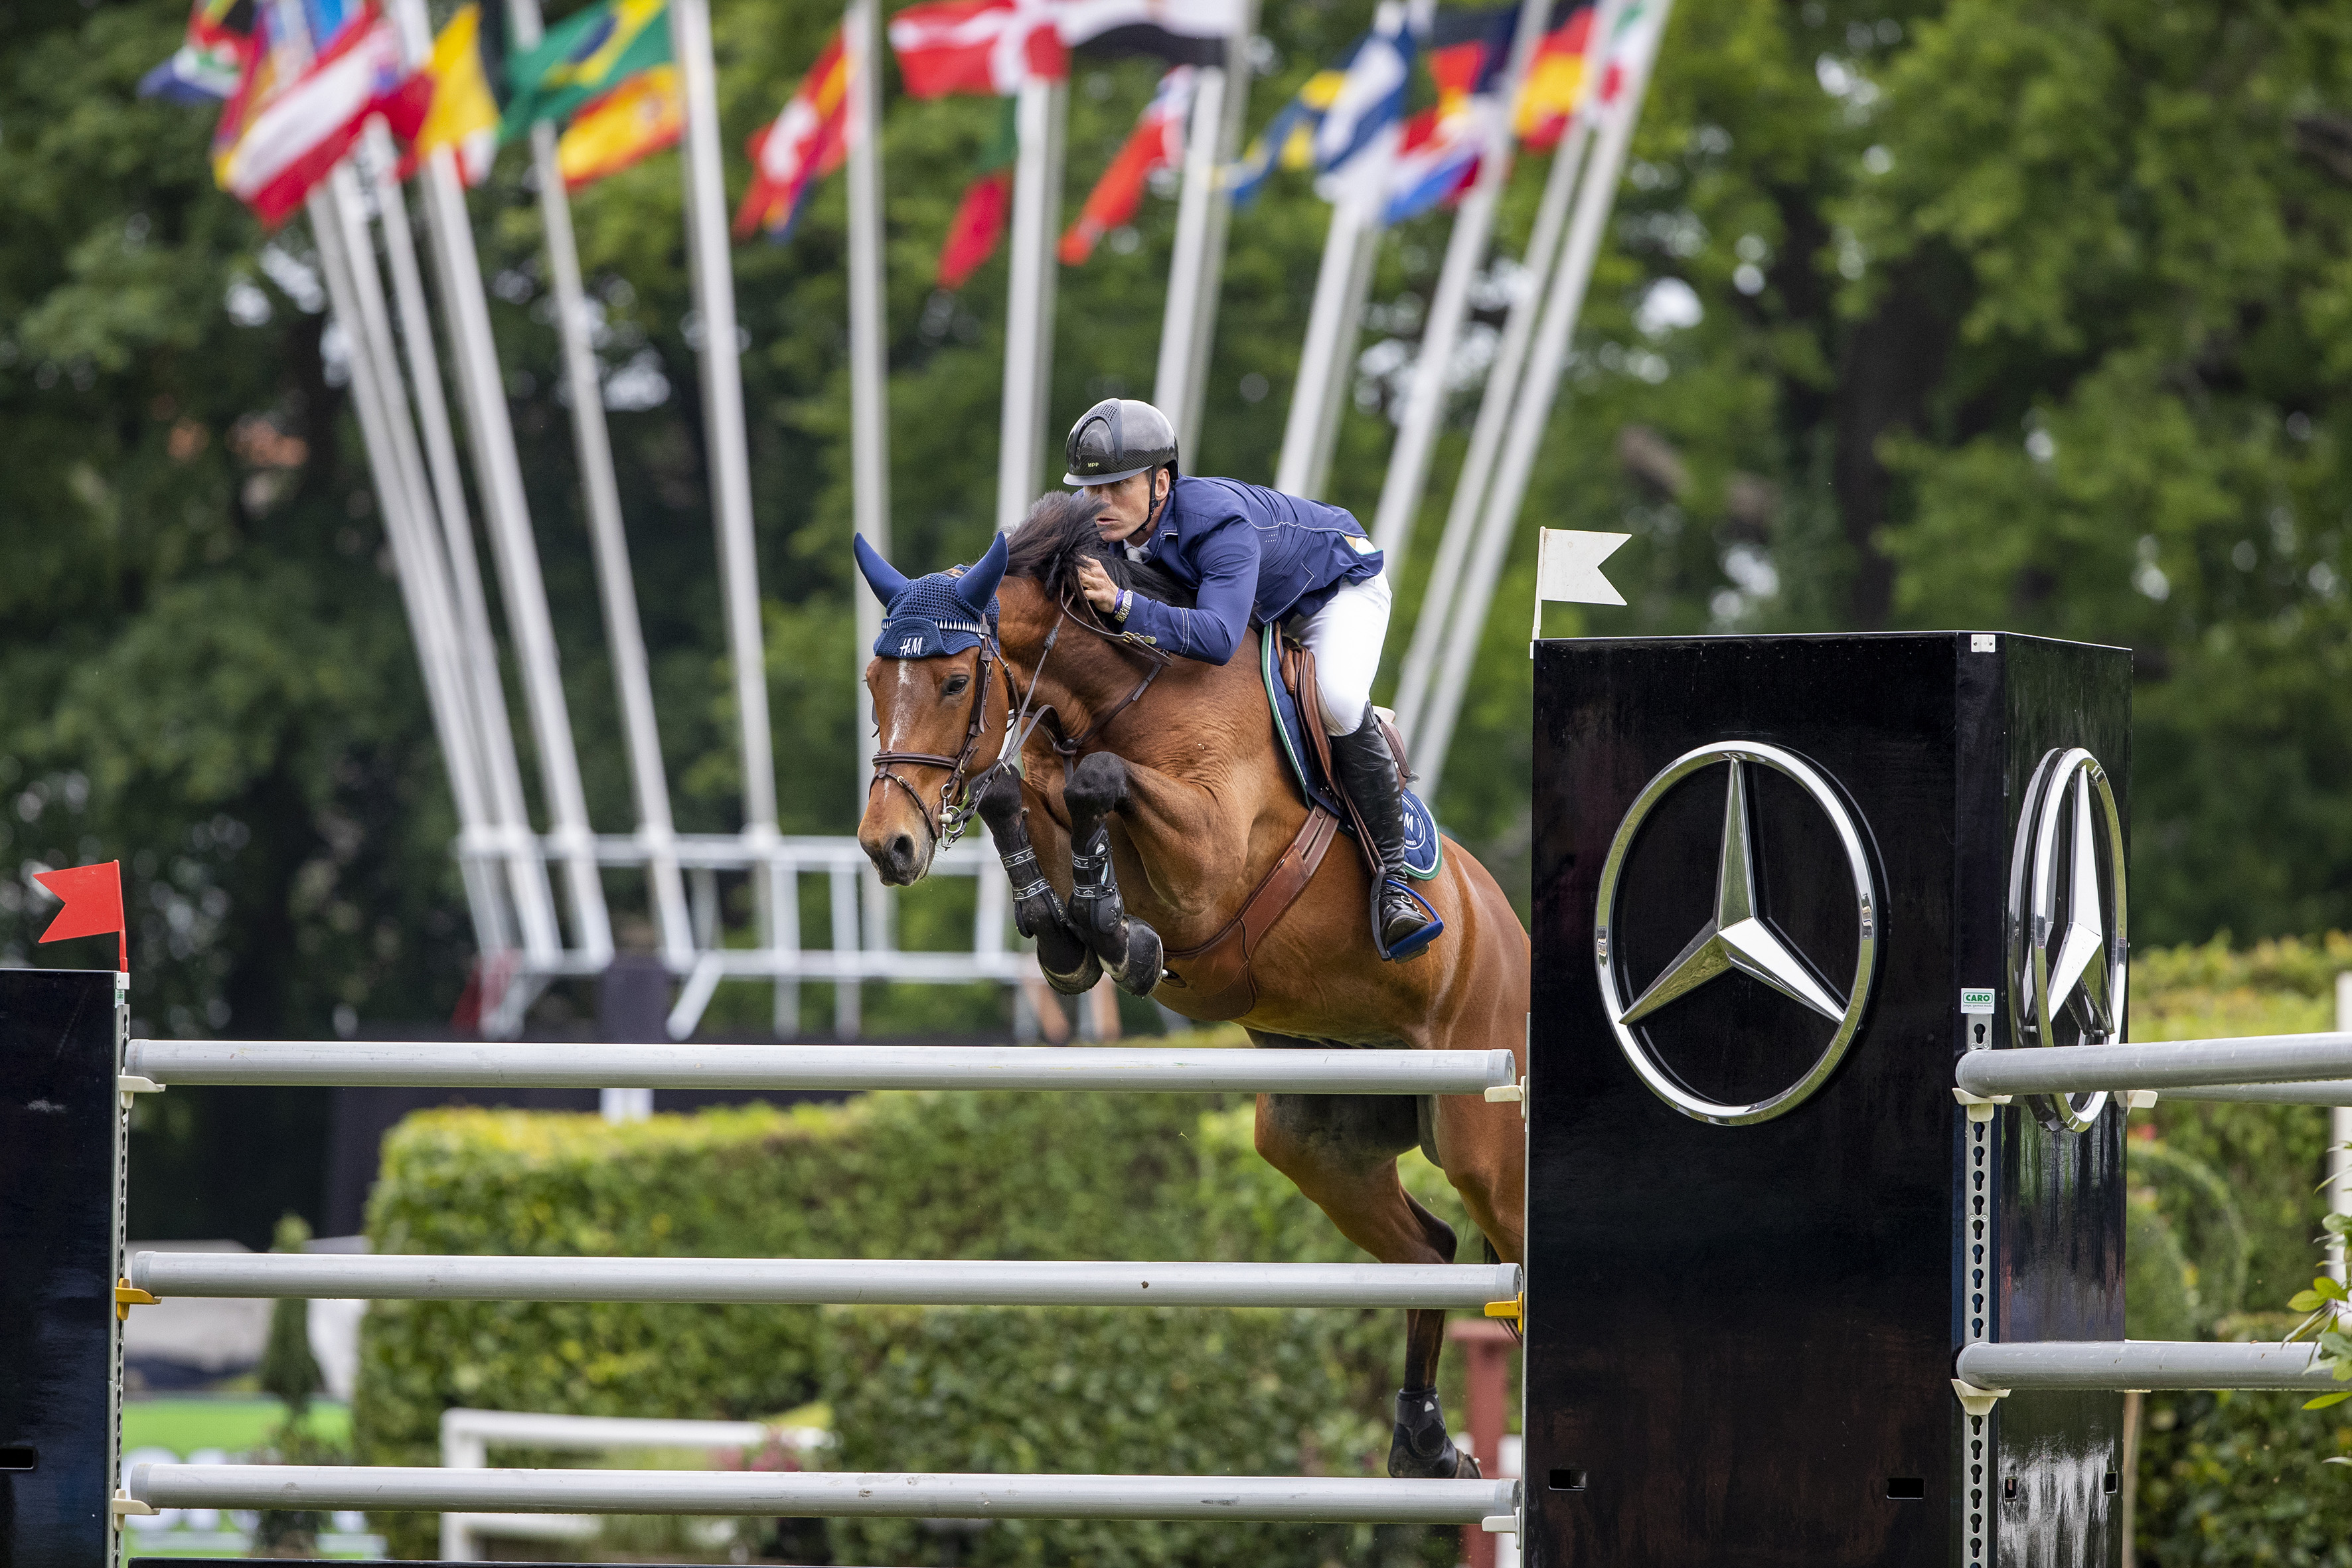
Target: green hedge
[(903, 1175)]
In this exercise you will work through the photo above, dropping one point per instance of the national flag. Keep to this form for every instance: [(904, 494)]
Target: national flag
[(210, 61), (93, 900), (1181, 32), (1157, 142), (977, 46), (1366, 90), (583, 59), (643, 115), (979, 221), (469, 68), (1439, 150), (806, 141), (292, 137), (1632, 45), (1371, 89), (1555, 76)]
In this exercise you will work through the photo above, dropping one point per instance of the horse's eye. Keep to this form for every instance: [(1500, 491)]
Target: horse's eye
[(956, 686)]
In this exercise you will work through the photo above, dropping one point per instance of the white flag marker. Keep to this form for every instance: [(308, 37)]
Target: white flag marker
[(1568, 569)]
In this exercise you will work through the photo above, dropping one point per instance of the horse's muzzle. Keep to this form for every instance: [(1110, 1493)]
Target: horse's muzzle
[(900, 857)]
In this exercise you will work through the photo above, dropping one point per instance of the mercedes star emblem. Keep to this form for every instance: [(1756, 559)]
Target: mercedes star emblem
[(1736, 937), (2075, 969)]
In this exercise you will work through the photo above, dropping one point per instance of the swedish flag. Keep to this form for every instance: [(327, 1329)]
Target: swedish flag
[(584, 58)]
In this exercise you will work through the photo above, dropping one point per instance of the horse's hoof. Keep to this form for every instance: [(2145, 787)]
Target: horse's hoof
[(1140, 974), (1078, 982), (1421, 1450)]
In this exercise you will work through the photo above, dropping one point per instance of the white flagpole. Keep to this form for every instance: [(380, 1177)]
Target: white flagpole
[(1547, 359), (424, 592), (869, 412), (1465, 251), (729, 459), (623, 635), (1029, 297), (1318, 399), (1495, 406), (1196, 267)]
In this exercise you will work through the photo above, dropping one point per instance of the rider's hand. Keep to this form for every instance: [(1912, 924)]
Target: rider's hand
[(1095, 585)]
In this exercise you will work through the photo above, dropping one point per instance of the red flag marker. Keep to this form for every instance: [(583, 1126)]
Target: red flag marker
[(93, 899)]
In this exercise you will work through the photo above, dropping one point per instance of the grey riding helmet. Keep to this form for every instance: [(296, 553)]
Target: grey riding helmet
[(1119, 439)]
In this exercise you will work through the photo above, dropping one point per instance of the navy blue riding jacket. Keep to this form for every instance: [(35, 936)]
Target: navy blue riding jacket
[(1254, 556)]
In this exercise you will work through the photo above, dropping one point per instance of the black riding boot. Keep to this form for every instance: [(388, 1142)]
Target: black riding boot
[(1401, 925)]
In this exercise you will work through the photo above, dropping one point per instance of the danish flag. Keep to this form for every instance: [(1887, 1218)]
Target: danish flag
[(978, 45)]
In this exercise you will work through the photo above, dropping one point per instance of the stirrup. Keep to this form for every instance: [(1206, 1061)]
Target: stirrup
[(1411, 946)]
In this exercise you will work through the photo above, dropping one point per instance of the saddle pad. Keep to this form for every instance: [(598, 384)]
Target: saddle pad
[(1424, 852)]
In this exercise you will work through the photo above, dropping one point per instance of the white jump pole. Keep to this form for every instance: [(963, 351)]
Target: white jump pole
[(470, 1064), (816, 1495), (1465, 252), (822, 1281), (2339, 1139)]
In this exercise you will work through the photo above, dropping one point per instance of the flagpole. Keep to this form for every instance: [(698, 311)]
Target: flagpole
[(1547, 360), (870, 411), (422, 592), (1503, 379), (1196, 267), (1029, 302), (730, 461), (507, 822), (1311, 429), (1465, 252)]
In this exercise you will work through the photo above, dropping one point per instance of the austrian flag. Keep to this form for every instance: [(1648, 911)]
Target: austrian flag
[(293, 139), (977, 46)]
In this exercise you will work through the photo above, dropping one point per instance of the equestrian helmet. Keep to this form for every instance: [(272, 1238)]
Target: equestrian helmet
[(1116, 439)]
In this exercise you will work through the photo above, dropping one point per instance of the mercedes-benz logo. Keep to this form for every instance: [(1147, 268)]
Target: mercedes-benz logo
[(1737, 938), (2073, 971)]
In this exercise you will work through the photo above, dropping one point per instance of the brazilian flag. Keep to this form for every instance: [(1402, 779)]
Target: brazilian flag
[(583, 58)]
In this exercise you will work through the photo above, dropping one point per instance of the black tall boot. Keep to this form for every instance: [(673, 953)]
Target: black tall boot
[(1402, 924)]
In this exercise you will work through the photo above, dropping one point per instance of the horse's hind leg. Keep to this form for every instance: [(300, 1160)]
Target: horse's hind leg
[(1129, 949), (1341, 1151), (1069, 965)]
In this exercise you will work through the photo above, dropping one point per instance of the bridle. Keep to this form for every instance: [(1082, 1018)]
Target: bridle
[(959, 795)]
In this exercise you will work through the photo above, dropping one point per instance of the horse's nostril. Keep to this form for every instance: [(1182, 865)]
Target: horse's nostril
[(902, 850)]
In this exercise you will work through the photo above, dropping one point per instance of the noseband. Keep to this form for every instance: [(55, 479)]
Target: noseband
[(959, 795)]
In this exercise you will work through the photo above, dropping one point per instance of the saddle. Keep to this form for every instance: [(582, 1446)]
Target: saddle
[(1215, 978)]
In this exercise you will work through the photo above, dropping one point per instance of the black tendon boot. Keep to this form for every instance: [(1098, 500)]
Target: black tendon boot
[(1402, 924), (1422, 1450)]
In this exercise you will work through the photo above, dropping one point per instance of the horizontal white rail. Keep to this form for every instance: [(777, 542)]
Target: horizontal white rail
[(2170, 1065), (2149, 1365), (691, 1065), (535, 1429), (822, 1280), (806, 1495), (2320, 1091)]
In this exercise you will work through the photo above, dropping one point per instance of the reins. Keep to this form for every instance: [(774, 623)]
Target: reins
[(959, 794)]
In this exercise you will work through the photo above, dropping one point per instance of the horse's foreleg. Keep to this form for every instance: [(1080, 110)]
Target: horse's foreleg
[(1129, 949), (1069, 965), (1341, 1151)]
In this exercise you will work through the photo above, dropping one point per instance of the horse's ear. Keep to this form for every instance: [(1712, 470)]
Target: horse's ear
[(880, 575), (976, 586)]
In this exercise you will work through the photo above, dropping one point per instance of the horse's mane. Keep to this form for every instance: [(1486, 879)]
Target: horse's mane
[(1058, 532)]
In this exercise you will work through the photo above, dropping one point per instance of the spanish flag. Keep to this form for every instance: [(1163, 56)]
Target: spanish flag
[(1548, 98), (583, 58), (469, 70), (638, 118)]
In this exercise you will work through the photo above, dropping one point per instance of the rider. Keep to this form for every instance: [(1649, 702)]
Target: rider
[(1254, 557)]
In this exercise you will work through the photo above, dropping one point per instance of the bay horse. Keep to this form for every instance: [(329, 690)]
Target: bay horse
[(1166, 778)]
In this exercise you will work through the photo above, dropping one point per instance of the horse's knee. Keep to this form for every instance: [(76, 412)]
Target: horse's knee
[(1097, 785)]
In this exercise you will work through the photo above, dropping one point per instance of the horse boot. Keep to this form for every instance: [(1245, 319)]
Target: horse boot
[(1130, 950), (1069, 965), (1422, 1450), (1402, 924)]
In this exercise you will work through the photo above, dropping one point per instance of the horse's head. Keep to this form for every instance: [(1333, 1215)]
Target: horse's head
[(939, 705)]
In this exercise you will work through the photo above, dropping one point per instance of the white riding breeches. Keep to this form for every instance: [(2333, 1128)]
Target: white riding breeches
[(1345, 637)]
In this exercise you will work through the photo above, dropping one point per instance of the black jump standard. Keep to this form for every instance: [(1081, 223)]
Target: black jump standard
[(1780, 885)]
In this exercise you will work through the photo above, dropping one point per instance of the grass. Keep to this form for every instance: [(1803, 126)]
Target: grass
[(234, 1426)]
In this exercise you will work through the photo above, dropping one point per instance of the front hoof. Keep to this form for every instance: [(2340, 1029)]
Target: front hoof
[(1421, 1450), (1078, 982)]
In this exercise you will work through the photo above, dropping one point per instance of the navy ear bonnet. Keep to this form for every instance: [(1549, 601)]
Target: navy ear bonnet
[(941, 614)]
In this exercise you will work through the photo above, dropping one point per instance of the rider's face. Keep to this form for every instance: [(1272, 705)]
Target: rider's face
[(1125, 505)]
